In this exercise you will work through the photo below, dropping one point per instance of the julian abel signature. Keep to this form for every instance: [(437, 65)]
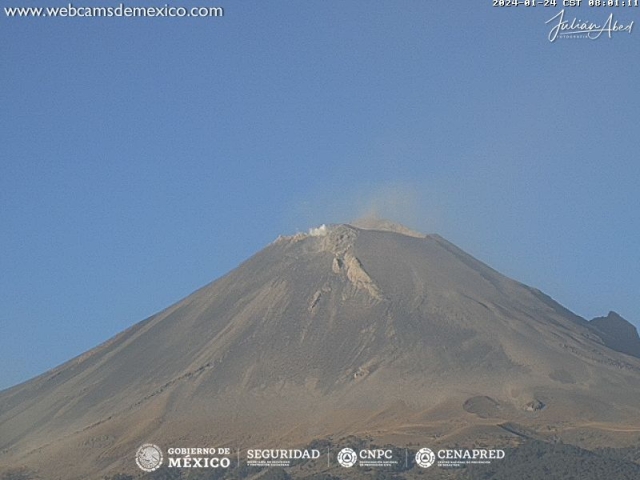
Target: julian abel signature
[(590, 30)]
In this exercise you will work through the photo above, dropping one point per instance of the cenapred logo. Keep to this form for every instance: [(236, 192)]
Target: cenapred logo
[(425, 457), (347, 457), (149, 457)]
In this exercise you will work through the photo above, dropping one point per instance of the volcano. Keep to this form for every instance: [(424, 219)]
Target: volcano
[(368, 329)]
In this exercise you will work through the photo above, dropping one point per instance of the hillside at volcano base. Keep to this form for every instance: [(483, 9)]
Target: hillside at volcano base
[(369, 331)]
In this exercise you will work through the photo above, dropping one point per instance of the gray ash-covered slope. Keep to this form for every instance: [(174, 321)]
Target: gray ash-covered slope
[(370, 330)]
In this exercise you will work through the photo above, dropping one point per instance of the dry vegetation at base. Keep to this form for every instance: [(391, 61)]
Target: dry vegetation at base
[(532, 460)]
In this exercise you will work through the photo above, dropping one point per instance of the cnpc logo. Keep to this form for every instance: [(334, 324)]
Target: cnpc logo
[(348, 457)]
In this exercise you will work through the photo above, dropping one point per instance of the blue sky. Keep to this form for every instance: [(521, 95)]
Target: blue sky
[(143, 158)]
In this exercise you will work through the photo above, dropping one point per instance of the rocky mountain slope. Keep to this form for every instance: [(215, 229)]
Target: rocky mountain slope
[(374, 331)]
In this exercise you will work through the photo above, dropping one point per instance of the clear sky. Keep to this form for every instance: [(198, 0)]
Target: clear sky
[(142, 158)]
